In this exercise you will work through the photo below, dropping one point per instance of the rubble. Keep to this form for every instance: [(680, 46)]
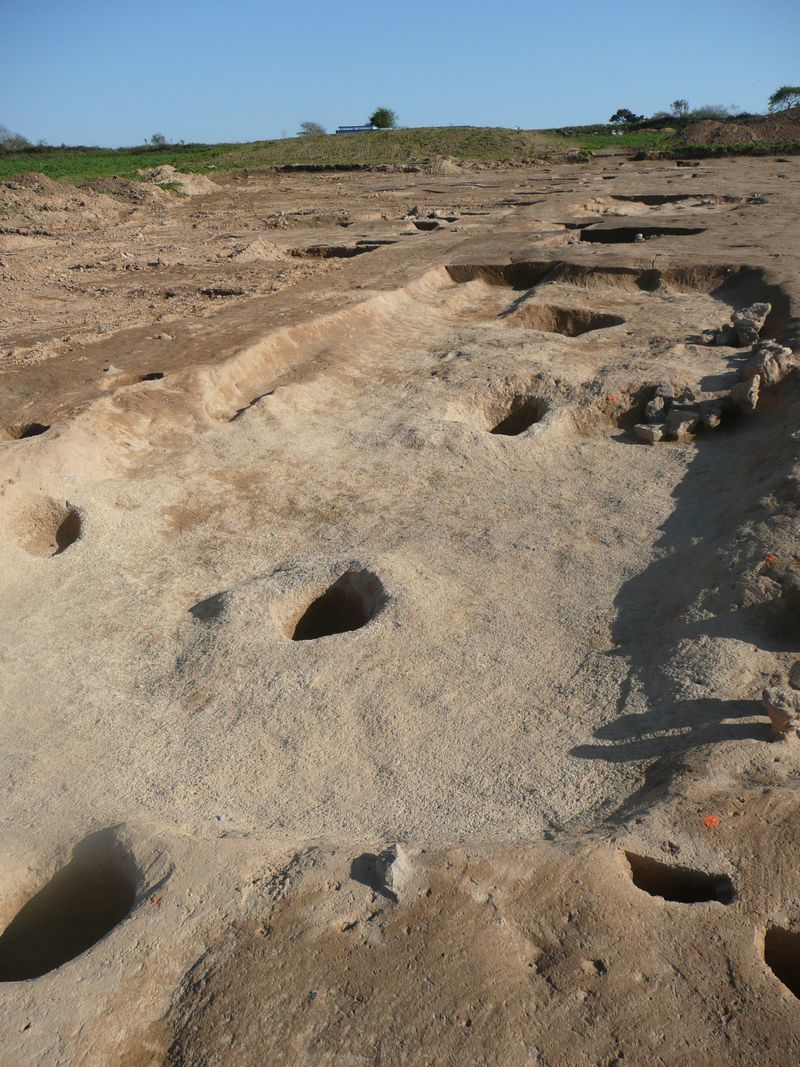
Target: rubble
[(744, 396), (648, 432), (681, 424), (749, 322), (783, 708), (771, 362)]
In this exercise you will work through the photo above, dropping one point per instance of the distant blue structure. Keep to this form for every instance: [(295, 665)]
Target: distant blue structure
[(355, 129)]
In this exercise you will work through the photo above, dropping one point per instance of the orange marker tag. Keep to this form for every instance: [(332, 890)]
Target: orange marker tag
[(769, 558), (711, 822)]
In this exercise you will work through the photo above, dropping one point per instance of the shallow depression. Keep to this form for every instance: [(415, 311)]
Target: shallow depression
[(552, 318), (46, 527)]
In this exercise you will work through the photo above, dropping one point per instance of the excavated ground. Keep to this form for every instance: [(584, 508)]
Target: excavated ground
[(324, 529)]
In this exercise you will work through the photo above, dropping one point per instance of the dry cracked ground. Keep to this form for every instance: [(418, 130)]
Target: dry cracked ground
[(373, 691)]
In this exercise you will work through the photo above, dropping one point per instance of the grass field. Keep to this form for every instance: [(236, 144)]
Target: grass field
[(483, 143), (389, 146)]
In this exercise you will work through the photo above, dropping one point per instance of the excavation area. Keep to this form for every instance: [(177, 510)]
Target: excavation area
[(403, 613)]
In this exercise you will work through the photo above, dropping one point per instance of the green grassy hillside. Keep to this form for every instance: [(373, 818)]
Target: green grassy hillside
[(387, 146)]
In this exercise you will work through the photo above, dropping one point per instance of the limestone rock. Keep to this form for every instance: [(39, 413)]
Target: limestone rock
[(783, 708), (393, 869), (770, 361), (681, 424), (794, 675), (656, 409), (748, 322), (651, 433), (744, 396)]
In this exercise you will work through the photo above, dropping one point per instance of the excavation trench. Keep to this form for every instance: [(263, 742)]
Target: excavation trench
[(334, 251), (512, 563), (656, 199), (630, 234)]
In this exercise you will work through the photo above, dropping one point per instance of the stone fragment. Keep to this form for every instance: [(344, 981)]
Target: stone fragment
[(665, 390), (680, 424), (783, 708), (744, 396), (651, 433), (770, 361), (656, 409), (748, 322), (393, 869), (794, 675)]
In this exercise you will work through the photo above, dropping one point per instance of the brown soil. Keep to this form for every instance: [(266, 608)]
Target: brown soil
[(371, 694), (782, 126)]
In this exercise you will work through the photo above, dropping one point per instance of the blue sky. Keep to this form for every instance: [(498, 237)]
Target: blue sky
[(101, 72)]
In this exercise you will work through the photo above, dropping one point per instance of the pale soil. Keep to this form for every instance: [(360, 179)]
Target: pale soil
[(569, 630)]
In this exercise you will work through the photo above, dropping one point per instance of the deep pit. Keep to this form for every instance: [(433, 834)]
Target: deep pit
[(350, 603), (81, 903), (27, 429), (680, 884), (518, 415), (782, 956)]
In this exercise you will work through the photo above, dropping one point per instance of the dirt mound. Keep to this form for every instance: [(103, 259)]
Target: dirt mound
[(444, 165), (258, 251), (711, 132), (130, 191), (33, 204), (188, 184), (784, 126)]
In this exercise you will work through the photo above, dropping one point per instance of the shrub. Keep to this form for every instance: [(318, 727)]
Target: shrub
[(384, 118), (12, 142), (786, 96), (625, 116)]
